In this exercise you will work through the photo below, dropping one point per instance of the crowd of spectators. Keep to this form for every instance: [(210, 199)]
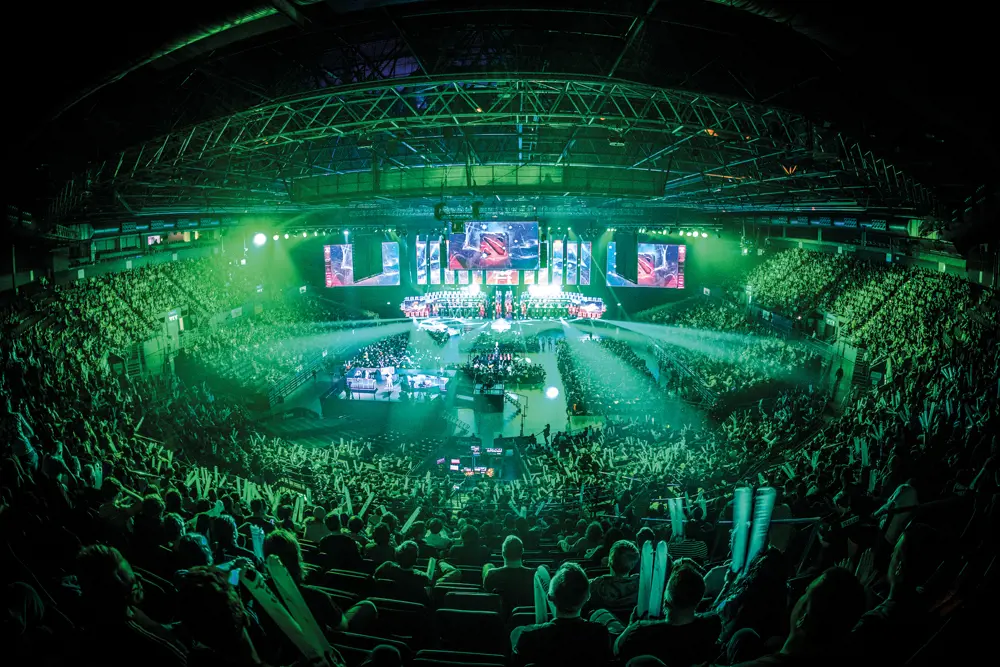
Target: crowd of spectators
[(260, 349), (127, 502), (504, 368), (714, 345), (595, 386), (793, 282), (396, 351)]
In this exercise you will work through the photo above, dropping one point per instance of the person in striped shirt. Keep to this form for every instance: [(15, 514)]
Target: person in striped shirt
[(690, 545)]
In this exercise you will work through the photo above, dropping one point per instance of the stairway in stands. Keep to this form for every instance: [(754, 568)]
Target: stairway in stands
[(191, 298), (134, 360), (861, 378)]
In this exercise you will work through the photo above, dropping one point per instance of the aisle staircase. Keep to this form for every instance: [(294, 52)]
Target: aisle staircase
[(861, 378), (191, 298), (134, 360)]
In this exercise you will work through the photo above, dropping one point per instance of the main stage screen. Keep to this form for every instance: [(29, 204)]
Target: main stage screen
[(339, 261), (660, 265), (495, 245)]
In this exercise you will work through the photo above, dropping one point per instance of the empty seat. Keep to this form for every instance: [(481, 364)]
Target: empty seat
[(519, 618), (346, 580), (366, 643), (472, 601), (471, 574), (462, 630), (353, 657), (458, 658), (409, 621)]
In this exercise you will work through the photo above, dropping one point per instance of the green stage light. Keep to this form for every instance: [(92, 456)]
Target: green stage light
[(275, 237), (259, 239), (286, 236)]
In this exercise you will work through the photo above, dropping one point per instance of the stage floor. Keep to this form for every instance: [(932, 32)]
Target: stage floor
[(435, 389), (543, 406)]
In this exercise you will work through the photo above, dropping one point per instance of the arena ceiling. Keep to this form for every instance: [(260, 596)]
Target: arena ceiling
[(722, 105)]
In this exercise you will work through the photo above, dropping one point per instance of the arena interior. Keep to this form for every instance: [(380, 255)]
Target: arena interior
[(400, 333)]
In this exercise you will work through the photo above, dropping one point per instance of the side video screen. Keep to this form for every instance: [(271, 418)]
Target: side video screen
[(660, 265), (339, 261)]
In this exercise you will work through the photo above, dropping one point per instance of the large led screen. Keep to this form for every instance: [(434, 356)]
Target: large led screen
[(495, 245), (585, 252), (571, 263), (435, 261), (339, 260), (421, 261), (660, 265)]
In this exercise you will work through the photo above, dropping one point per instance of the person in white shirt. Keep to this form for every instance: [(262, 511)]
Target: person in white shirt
[(437, 535), (316, 528)]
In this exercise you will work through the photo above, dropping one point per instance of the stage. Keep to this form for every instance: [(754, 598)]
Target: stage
[(372, 384)]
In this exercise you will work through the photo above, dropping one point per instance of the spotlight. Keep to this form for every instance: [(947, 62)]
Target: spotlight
[(552, 393), (316, 233), (286, 236), (275, 237), (305, 234), (259, 239), (704, 235)]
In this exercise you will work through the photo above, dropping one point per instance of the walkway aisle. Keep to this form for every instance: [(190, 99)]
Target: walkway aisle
[(541, 409)]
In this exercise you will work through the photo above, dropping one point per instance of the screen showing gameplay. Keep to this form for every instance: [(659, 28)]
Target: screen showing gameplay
[(495, 245), (660, 265), (339, 260)]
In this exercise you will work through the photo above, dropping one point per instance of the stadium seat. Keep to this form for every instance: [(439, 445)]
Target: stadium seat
[(437, 658), (353, 657), (463, 630), (364, 642), (472, 601), (409, 621), (346, 580)]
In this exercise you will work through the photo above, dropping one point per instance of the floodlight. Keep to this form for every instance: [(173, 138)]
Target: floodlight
[(259, 239), (275, 237)]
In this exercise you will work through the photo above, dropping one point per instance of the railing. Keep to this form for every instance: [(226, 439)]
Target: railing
[(290, 383), (702, 388)]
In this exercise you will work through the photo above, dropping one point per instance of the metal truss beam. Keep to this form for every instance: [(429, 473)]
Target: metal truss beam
[(714, 148)]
